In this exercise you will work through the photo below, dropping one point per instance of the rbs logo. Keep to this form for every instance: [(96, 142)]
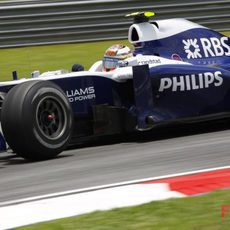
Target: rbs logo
[(207, 47)]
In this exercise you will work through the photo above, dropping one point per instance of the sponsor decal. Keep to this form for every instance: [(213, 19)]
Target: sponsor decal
[(139, 62), (206, 47), (191, 48), (176, 57), (81, 94), (150, 61), (191, 82)]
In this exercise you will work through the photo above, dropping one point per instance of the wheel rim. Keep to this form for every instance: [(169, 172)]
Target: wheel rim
[(51, 118)]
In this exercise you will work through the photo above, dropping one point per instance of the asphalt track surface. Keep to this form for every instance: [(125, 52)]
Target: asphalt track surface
[(164, 151)]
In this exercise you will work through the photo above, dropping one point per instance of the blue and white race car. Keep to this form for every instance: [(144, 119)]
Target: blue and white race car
[(179, 71)]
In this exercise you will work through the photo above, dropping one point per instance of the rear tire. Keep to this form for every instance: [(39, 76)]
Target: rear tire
[(37, 120)]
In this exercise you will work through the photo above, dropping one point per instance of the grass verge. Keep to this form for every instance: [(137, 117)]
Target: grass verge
[(191, 213), (52, 57)]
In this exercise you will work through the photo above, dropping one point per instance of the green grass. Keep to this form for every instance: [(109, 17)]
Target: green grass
[(227, 33), (192, 213), (48, 58)]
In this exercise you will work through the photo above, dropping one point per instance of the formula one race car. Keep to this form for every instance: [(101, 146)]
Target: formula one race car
[(180, 71)]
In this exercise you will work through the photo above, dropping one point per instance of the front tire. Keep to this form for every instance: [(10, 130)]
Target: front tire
[(37, 120)]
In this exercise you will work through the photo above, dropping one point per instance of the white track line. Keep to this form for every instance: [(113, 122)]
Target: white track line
[(71, 192), (81, 203), (76, 202)]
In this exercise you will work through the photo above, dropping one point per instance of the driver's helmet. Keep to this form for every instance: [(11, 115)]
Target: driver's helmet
[(114, 54)]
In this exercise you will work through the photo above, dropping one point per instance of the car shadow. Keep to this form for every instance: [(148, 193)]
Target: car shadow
[(182, 130), (10, 158), (158, 133)]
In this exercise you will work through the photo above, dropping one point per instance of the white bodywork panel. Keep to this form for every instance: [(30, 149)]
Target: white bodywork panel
[(166, 28)]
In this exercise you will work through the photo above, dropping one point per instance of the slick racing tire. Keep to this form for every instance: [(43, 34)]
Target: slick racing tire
[(37, 120)]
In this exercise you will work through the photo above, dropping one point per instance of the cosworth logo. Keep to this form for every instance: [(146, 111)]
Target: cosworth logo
[(81, 94), (191, 82), (209, 47)]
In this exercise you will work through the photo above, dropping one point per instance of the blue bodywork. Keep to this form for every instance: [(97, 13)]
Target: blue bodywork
[(195, 90)]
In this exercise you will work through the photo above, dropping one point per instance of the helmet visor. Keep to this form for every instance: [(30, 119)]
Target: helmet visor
[(110, 63)]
